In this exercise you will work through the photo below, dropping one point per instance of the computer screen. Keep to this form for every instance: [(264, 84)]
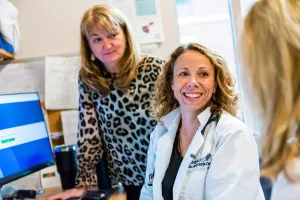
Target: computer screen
[(24, 143)]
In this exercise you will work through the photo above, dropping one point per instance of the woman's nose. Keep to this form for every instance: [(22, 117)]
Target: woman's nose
[(193, 82), (106, 44)]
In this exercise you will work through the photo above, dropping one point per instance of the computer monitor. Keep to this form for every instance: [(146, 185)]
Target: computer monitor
[(24, 143)]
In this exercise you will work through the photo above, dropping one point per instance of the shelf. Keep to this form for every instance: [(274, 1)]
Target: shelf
[(5, 55)]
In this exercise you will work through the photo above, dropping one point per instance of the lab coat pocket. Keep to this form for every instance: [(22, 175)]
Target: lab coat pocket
[(197, 170), (195, 180)]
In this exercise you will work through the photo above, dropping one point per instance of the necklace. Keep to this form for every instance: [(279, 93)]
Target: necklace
[(182, 133), (210, 120)]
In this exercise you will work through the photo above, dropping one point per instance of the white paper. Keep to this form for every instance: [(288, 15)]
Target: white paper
[(50, 177), (149, 25), (127, 7), (61, 82), (70, 123), (150, 49), (23, 77), (145, 18), (31, 181)]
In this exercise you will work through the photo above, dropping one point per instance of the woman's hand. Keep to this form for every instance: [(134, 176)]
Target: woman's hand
[(75, 192)]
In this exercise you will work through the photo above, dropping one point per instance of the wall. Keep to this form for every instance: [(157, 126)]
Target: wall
[(51, 27)]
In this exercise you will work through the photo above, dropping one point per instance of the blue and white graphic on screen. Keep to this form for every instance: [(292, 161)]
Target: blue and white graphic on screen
[(24, 141)]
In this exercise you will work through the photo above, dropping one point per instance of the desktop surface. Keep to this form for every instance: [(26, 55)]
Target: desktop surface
[(119, 193)]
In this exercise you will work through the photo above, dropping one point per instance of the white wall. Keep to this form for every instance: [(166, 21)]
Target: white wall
[(169, 20), (51, 27)]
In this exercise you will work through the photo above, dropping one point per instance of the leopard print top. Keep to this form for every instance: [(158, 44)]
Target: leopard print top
[(119, 124)]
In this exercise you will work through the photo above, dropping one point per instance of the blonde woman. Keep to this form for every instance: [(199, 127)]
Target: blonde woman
[(271, 56), (200, 150), (115, 86)]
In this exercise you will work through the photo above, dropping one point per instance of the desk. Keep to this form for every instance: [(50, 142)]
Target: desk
[(119, 193)]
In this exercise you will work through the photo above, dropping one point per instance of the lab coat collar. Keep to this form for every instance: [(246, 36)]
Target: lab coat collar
[(203, 117), (192, 151), (168, 119), (164, 150)]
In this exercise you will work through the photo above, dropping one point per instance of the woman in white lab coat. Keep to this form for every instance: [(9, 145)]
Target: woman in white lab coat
[(271, 56), (200, 150)]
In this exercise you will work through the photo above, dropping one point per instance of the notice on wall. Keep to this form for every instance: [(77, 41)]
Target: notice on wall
[(61, 82), (23, 77), (145, 18), (70, 123)]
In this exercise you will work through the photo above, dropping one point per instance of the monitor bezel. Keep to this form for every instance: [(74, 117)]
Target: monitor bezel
[(31, 170), (21, 174)]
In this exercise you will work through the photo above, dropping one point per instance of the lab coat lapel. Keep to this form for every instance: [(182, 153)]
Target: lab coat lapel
[(193, 149), (164, 150)]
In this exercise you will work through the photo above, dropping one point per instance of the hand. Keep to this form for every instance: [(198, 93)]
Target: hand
[(75, 192)]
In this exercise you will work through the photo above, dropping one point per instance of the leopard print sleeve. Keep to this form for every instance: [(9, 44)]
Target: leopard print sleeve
[(89, 143)]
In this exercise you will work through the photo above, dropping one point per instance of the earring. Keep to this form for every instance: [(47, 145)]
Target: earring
[(92, 57), (213, 96)]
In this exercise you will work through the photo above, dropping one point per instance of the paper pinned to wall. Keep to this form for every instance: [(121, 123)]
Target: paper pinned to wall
[(149, 22), (70, 124), (23, 77), (145, 18), (61, 82), (127, 7), (150, 49)]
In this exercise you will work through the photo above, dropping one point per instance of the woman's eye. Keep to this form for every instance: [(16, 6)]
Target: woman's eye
[(96, 40), (112, 35), (183, 74), (203, 74)]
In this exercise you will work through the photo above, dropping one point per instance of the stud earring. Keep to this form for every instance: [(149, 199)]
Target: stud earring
[(92, 57)]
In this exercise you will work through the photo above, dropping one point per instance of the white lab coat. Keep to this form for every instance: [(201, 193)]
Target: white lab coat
[(234, 168), (283, 189)]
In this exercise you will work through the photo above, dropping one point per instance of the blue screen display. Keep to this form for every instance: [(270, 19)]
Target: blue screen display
[(24, 142)]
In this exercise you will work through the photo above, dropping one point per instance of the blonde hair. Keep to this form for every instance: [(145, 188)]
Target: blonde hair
[(93, 73), (224, 98), (271, 54)]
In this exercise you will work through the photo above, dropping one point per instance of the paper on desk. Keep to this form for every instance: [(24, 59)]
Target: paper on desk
[(31, 181), (23, 77), (70, 123), (50, 177), (61, 82)]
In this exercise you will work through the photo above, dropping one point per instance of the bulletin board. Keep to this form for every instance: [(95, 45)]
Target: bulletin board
[(29, 76)]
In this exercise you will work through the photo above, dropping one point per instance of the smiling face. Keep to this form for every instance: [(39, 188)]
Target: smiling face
[(193, 81), (108, 47)]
